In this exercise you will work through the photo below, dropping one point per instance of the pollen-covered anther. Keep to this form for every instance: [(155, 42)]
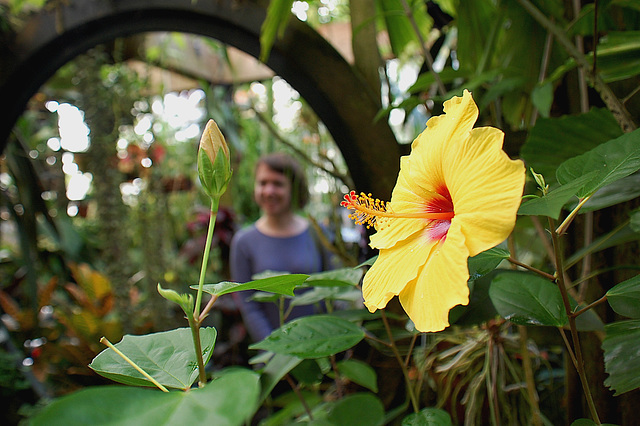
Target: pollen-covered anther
[(365, 208)]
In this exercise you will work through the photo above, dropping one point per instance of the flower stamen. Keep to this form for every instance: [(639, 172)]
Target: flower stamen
[(366, 210)]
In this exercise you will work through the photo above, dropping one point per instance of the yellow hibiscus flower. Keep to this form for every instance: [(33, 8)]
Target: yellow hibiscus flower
[(457, 195)]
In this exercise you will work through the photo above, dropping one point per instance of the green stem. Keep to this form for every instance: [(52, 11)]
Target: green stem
[(205, 256), (405, 373), (196, 318), (579, 362), (195, 333), (565, 224)]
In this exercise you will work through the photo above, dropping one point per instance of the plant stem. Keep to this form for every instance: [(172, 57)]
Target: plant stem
[(532, 269), (405, 373), (195, 333), (565, 224), (425, 52), (205, 256), (196, 319), (579, 362), (106, 342), (606, 94), (589, 306), (296, 390), (529, 378)]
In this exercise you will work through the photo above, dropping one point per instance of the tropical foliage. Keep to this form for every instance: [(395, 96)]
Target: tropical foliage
[(552, 311)]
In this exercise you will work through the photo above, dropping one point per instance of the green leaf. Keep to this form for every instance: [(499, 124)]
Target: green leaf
[(312, 337), (278, 15), (555, 140), (397, 23), (360, 373), (611, 161), (281, 284), (316, 295), (552, 203), (634, 221), (229, 400), (275, 369), (185, 301), (167, 356), (589, 422), (542, 98), (527, 299), (624, 298), (485, 262), (336, 277), (356, 409), (617, 192), (621, 355), (428, 417), (308, 372)]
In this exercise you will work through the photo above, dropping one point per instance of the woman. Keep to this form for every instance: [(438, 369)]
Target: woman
[(280, 240)]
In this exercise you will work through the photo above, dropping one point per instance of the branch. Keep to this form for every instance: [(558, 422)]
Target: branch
[(616, 107)]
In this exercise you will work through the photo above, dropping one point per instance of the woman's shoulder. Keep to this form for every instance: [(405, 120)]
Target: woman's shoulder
[(247, 233)]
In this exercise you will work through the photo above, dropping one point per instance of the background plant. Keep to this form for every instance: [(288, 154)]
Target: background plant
[(541, 102)]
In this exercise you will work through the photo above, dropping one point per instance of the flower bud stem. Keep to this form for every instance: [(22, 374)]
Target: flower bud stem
[(196, 321)]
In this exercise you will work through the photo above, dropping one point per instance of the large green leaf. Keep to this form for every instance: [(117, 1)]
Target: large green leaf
[(280, 284), (359, 372), (624, 298), (428, 417), (621, 355), (610, 161), (275, 369), (485, 262), (312, 337), (555, 140), (356, 409), (399, 28), (336, 277), (527, 299), (169, 357), (229, 400), (552, 203), (617, 192)]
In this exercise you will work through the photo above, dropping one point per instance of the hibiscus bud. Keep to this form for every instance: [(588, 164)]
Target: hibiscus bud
[(214, 165)]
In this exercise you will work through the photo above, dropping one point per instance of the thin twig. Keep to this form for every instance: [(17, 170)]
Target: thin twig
[(532, 269), (405, 373), (572, 323), (616, 107), (410, 352), (589, 306), (296, 390), (425, 52)]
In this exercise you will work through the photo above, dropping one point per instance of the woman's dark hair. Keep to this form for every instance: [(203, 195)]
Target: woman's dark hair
[(288, 166)]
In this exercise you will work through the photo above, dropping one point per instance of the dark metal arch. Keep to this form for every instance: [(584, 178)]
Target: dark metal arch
[(302, 57)]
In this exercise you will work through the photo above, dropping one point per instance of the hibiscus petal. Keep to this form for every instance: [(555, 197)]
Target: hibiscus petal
[(406, 198), (485, 186), (460, 115), (440, 285), (393, 269)]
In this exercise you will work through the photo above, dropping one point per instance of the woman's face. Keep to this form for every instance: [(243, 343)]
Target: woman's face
[(272, 191)]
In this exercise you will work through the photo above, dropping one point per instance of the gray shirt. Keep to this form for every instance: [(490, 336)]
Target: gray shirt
[(253, 252)]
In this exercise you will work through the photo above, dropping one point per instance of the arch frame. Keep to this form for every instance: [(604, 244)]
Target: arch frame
[(333, 89)]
